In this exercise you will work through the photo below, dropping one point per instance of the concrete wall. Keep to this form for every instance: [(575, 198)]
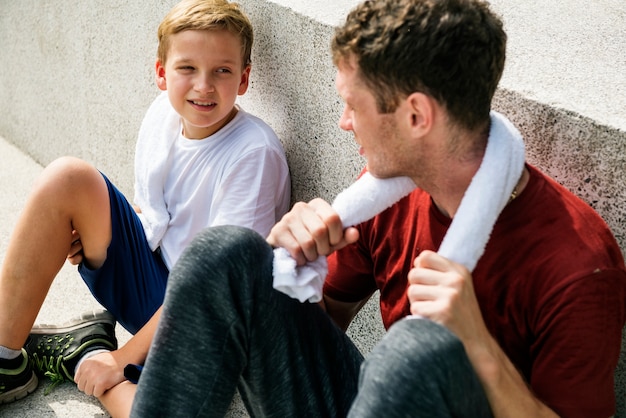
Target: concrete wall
[(76, 78)]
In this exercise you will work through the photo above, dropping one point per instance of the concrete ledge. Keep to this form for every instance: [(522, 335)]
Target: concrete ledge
[(77, 78)]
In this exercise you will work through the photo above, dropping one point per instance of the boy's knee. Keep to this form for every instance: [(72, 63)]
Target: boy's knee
[(68, 167), (69, 175)]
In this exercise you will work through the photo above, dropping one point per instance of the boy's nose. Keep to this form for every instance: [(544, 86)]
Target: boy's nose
[(205, 85)]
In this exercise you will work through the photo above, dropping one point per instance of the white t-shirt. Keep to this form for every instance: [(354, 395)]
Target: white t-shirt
[(237, 176)]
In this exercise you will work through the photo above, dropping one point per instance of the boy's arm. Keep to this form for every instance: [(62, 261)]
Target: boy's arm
[(101, 372)]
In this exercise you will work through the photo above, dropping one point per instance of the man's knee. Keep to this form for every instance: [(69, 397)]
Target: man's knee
[(222, 253), (227, 242), (418, 364), (420, 344)]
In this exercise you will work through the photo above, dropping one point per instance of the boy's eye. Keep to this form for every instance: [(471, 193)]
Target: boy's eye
[(186, 68), (223, 70)]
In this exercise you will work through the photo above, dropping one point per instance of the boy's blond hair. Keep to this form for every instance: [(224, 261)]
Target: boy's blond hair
[(206, 15)]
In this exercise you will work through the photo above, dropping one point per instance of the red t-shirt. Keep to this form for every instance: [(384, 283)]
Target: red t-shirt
[(551, 286)]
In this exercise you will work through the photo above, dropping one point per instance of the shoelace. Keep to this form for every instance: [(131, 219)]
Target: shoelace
[(51, 368)]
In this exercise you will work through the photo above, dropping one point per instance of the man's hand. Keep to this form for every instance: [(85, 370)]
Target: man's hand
[(442, 291), (99, 373), (311, 230)]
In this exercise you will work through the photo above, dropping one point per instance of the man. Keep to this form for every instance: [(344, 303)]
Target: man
[(533, 329)]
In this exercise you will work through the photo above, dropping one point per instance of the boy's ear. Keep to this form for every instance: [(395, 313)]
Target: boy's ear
[(245, 80), (161, 82)]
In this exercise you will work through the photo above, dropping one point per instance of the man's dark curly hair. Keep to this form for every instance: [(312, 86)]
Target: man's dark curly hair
[(451, 50)]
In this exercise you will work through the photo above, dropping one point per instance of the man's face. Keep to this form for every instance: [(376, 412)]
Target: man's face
[(376, 133)]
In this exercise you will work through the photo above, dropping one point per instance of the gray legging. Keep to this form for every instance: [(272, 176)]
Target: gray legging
[(223, 326)]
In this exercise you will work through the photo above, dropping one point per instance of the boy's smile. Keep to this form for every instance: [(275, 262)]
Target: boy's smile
[(203, 75)]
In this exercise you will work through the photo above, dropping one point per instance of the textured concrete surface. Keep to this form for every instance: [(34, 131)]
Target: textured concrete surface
[(565, 53), (76, 79)]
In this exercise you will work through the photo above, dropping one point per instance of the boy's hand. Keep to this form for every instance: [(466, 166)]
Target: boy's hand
[(98, 374), (311, 230), (75, 255)]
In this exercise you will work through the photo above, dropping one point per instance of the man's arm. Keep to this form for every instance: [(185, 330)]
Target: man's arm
[(508, 394), (342, 313), (442, 291)]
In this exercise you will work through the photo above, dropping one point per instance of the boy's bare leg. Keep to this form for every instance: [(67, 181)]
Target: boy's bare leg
[(119, 399), (69, 195)]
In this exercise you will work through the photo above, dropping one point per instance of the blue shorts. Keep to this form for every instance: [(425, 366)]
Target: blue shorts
[(131, 283)]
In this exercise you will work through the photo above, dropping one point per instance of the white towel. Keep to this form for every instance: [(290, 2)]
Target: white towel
[(361, 201), (159, 129), (465, 241)]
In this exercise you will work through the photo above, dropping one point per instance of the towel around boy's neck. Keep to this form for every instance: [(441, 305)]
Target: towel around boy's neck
[(464, 243)]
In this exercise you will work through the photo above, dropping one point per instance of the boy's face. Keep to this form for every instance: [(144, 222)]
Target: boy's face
[(203, 76)]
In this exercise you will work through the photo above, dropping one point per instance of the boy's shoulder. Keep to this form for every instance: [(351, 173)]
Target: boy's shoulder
[(248, 125), (160, 124), (160, 112), (161, 101)]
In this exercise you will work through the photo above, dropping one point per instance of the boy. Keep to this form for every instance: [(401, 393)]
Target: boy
[(200, 161)]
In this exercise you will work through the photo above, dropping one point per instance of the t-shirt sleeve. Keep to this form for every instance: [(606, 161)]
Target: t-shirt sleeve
[(577, 345), (254, 193)]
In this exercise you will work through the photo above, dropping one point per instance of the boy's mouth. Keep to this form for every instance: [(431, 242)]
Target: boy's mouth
[(201, 103)]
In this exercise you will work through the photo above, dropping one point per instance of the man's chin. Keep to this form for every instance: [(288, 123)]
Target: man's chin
[(377, 173)]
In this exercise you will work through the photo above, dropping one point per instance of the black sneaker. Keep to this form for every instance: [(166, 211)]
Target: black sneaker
[(16, 382), (54, 351)]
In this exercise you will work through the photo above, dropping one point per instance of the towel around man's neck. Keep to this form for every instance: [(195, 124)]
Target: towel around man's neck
[(488, 193)]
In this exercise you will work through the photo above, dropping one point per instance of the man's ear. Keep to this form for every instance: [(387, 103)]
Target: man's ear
[(161, 82), (421, 112)]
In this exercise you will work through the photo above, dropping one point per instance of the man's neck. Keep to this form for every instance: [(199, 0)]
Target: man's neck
[(448, 203)]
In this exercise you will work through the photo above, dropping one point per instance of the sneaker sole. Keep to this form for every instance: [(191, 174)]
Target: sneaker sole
[(88, 318), (21, 392)]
